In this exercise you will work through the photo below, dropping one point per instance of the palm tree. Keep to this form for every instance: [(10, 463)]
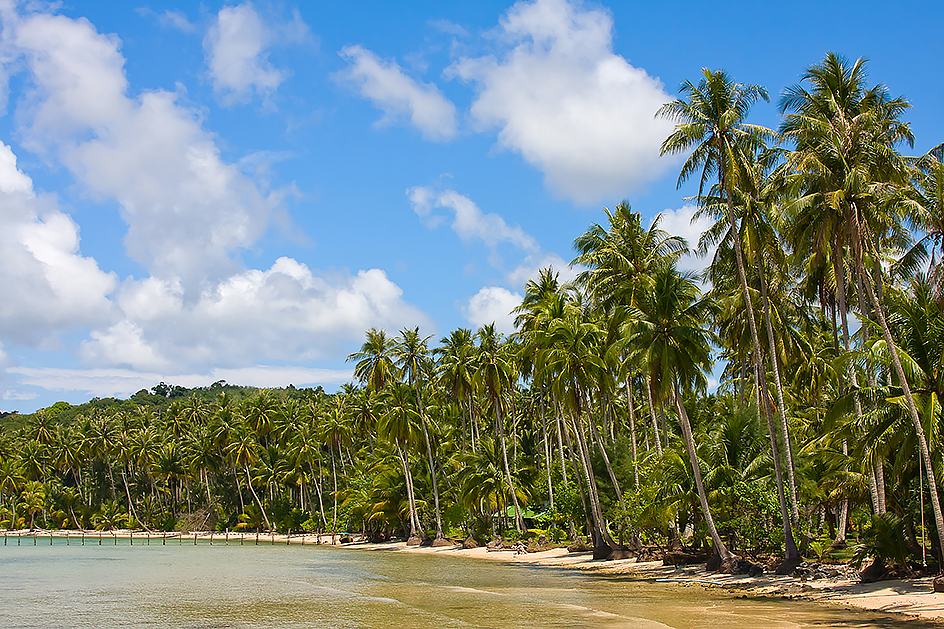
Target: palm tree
[(413, 360), (456, 368), (374, 362), (495, 373), (397, 426), (712, 122), (670, 336), (845, 159)]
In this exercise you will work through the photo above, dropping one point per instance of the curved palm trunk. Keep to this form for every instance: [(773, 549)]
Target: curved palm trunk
[(432, 465), (840, 275), (632, 431), (519, 521), (913, 411), (727, 557), (317, 481), (258, 502), (411, 501), (790, 545), (781, 408), (655, 422)]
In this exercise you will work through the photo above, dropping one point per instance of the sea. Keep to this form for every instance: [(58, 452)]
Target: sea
[(223, 585)]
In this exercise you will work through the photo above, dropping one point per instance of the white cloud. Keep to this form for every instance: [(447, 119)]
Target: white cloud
[(469, 222), (283, 313), (124, 382), (679, 223), (187, 210), (493, 304), (562, 99), (189, 213), (48, 287), (399, 96), (237, 48), (177, 19)]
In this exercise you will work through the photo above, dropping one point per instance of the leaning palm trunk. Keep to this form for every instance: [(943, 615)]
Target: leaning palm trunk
[(906, 388), (789, 543), (839, 272), (655, 422), (596, 513), (411, 501), (432, 465), (781, 408), (317, 481), (256, 496), (519, 521), (632, 431), (727, 558)]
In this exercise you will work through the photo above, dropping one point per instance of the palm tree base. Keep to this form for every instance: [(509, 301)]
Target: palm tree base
[(788, 566), (441, 542), (602, 551), (414, 541)]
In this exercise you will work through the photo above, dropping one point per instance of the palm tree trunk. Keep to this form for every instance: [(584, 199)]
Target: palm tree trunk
[(411, 501), (519, 521), (258, 502), (632, 430), (906, 388), (548, 452), (781, 408), (652, 413), (726, 556), (432, 465), (317, 481)]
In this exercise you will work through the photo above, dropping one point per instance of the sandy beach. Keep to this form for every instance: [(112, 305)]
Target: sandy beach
[(911, 597)]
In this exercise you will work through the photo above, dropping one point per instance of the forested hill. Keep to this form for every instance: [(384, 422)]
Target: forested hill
[(157, 399)]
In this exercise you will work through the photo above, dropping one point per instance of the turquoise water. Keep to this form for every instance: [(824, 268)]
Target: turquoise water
[(306, 586)]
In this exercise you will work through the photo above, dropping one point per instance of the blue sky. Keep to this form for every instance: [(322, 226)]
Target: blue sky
[(200, 191)]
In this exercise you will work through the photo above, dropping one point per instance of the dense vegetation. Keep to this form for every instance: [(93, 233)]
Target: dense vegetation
[(823, 299)]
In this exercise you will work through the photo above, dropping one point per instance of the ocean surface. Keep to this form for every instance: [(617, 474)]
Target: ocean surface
[(221, 586)]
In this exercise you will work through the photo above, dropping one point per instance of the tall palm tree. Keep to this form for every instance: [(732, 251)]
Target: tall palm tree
[(496, 374), (844, 158), (712, 119), (671, 336), (412, 357)]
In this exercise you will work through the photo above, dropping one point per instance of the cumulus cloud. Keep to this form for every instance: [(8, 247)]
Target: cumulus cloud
[(283, 313), (48, 287), (189, 213), (493, 304), (561, 98), (124, 382), (679, 223), (397, 95), (237, 50), (469, 222), (187, 210)]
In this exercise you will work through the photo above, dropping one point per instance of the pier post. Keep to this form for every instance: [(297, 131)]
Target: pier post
[(131, 534), (211, 538), (67, 538), (99, 538), (257, 537), (34, 539)]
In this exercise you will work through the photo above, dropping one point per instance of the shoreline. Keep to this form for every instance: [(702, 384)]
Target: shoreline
[(909, 598)]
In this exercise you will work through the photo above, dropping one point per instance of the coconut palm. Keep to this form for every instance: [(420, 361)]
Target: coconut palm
[(670, 335), (844, 158)]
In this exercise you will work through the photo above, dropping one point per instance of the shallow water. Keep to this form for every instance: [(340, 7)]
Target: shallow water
[(306, 586)]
